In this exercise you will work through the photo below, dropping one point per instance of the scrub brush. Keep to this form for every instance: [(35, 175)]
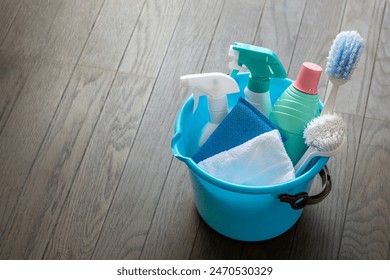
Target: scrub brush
[(342, 60), (325, 137)]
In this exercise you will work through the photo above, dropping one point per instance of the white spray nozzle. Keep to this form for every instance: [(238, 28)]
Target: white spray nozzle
[(215, 86), (233, 61)]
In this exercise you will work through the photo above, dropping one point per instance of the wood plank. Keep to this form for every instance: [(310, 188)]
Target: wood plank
[(150, 40), (26, 127), (244, 30), (321, 22), (246, 16), (111, 33), (176, 222), (52, 174), (32, 23), (366, 17), (134, 205), (8, 11), (82, 218), (366, 232), (310, 46), (56, 29), (14, 73), (319, 231), (153, 214), (388, 253), (211, 245), (277, 248), (379, 98), (278, 30)]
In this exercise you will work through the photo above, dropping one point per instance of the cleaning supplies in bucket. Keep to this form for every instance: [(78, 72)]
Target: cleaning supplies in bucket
[(215, 86), (243, 123), (296, 107), (261, 161), (247, 213), (263, 64), (232, 205)]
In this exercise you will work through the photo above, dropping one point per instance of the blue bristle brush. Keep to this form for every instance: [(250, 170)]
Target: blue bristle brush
[(342, 60)]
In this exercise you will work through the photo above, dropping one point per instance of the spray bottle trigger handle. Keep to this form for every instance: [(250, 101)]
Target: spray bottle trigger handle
[(196, 93), (233, 62), (277, 71)]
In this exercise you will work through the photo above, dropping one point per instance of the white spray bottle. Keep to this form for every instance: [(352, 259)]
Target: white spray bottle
[(215, 86)]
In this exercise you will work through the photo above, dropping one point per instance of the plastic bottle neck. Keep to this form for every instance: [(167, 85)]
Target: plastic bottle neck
[(258, 84), (302, 93)]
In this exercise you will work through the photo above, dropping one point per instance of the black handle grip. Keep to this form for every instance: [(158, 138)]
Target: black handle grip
[(302, 199)]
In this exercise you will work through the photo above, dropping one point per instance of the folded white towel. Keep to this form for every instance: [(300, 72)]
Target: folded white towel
[(261, 161)]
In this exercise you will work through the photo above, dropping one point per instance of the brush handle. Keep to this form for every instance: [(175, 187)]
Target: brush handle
[(310, 153), (331, 100)]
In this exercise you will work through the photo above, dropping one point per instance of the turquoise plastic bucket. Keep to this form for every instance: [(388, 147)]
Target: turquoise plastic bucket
[(247, 213)]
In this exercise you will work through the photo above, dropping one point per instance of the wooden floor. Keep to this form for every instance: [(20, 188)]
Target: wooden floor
[(89, 91)]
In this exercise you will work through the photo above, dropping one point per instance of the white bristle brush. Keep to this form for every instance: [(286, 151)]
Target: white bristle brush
[(342, 60), (325, 136)]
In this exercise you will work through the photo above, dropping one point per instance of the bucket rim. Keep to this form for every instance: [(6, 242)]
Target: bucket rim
[(245, 189)]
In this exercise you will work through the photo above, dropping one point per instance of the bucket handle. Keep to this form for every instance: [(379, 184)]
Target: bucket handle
[(300, 200)]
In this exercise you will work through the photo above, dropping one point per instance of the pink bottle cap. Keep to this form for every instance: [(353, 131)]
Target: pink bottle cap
[(308, 78)]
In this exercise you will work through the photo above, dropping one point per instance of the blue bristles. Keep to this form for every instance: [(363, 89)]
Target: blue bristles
[(344, 55)]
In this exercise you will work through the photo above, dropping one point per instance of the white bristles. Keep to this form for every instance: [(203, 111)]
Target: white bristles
[(325, 133)]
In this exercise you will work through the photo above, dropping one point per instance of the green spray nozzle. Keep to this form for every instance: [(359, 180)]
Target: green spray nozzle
[(262, 63)]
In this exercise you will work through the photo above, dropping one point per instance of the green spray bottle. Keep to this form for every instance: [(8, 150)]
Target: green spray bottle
[(263, 64), (296, 107)]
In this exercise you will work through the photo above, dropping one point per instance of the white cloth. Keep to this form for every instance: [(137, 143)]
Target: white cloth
[(261, 161)]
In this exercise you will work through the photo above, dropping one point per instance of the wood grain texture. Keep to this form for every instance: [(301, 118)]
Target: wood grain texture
[(320, 23), (8, 11), (388, 253), (366, 17), (112, 31), (15, 71), (26, 128), (151, 37), (319, 230), (246, 15), (86, 169), (52, 174), (95, 184), (170, 212), (56, 29), (150, 158), (278, 29), (176, 221), (277, 248), (366, 232), (321, 225), (379, 98), (244, 30), (32, 23), (212, 245)]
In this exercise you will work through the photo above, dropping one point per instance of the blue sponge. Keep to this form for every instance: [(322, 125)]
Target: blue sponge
[(243, 123)]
